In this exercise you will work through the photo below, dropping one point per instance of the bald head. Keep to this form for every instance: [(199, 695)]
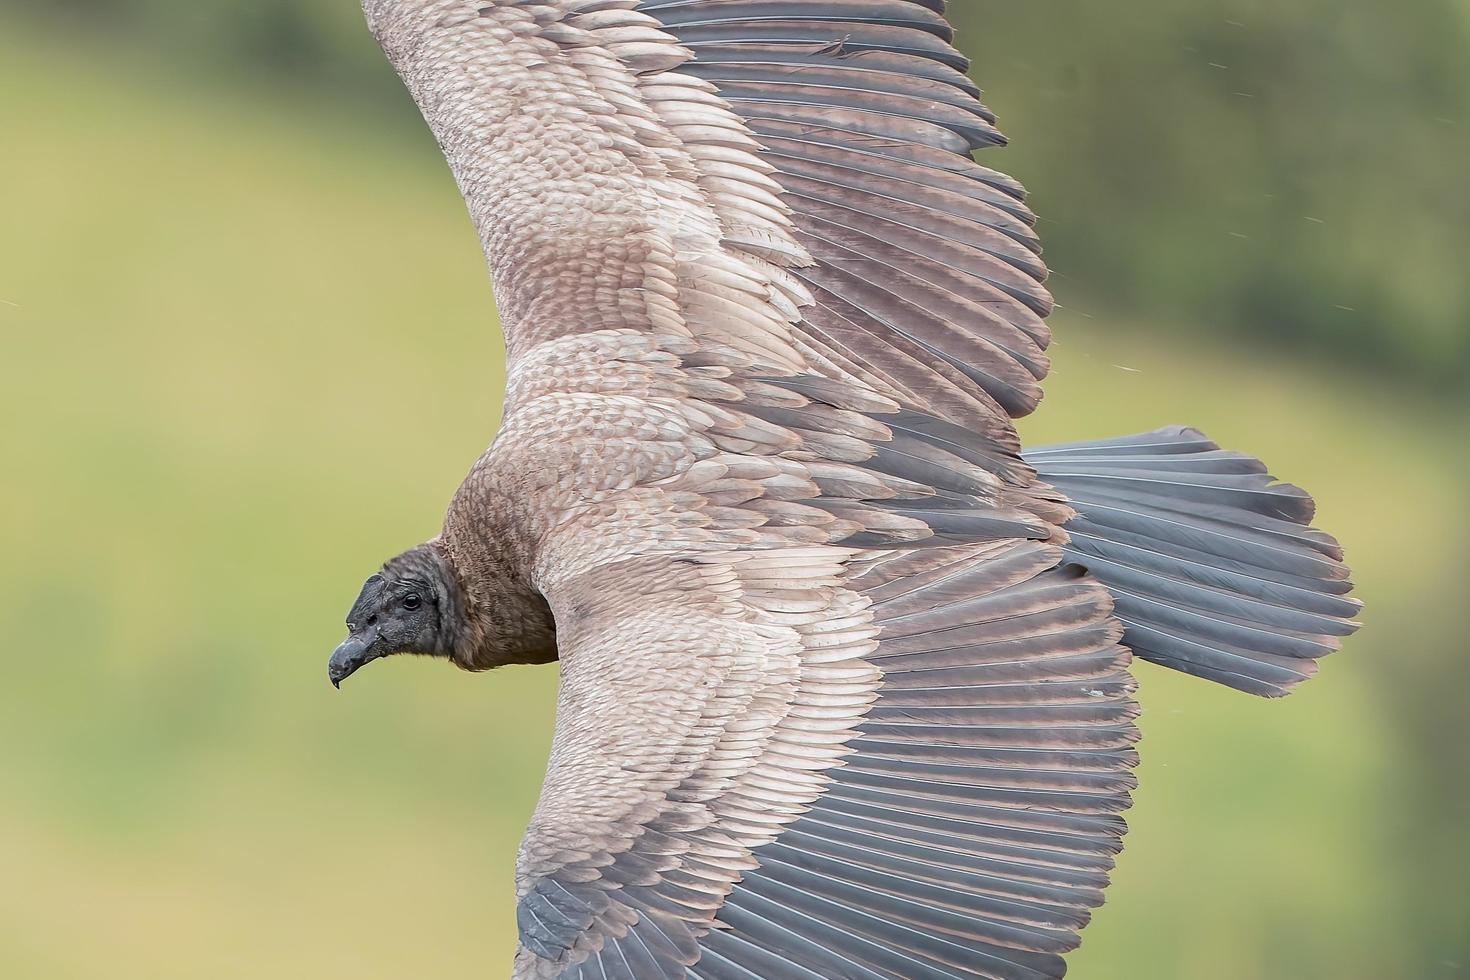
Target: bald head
[(413, 605)]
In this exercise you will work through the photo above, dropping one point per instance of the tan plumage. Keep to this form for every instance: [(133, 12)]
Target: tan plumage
[(844, 675)]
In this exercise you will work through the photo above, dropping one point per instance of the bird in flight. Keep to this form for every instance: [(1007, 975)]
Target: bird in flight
[(845, 673)]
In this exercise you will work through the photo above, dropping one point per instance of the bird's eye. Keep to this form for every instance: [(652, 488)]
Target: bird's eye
[(412, 601)]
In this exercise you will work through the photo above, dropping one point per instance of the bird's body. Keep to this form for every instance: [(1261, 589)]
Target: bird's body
[(838, 699)]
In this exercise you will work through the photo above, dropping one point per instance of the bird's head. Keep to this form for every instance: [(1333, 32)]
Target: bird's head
[(413, 605)]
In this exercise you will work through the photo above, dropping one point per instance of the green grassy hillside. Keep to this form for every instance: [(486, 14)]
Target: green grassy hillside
[(247, 350)]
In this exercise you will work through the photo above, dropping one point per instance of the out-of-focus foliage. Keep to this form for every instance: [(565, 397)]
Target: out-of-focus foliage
[(1292, 170), (247, 351)]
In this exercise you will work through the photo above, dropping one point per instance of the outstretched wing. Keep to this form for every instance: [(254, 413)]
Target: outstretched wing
[(791, 765), (790, 178)]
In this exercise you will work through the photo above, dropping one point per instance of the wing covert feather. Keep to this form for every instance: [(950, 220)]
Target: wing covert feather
[(863, 110)]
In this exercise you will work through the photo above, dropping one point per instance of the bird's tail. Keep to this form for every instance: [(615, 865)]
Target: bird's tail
[(1214, 567)]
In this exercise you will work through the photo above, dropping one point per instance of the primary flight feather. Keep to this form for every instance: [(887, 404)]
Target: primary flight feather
[(845, 688)]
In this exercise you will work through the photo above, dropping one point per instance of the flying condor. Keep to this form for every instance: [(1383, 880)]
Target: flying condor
[(845, 672)]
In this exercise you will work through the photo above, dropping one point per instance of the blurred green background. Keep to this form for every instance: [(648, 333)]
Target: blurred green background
[(247, 350)]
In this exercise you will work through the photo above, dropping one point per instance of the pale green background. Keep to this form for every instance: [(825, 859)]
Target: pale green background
[(247, 350)]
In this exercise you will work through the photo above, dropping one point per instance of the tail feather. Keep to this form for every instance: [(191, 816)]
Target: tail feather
[(1213, 566)]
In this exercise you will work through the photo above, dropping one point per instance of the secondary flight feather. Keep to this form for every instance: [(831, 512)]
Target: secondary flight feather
[(845, 673)]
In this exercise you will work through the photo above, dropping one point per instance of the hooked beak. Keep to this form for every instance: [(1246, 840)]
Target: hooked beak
[(352, 654)]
